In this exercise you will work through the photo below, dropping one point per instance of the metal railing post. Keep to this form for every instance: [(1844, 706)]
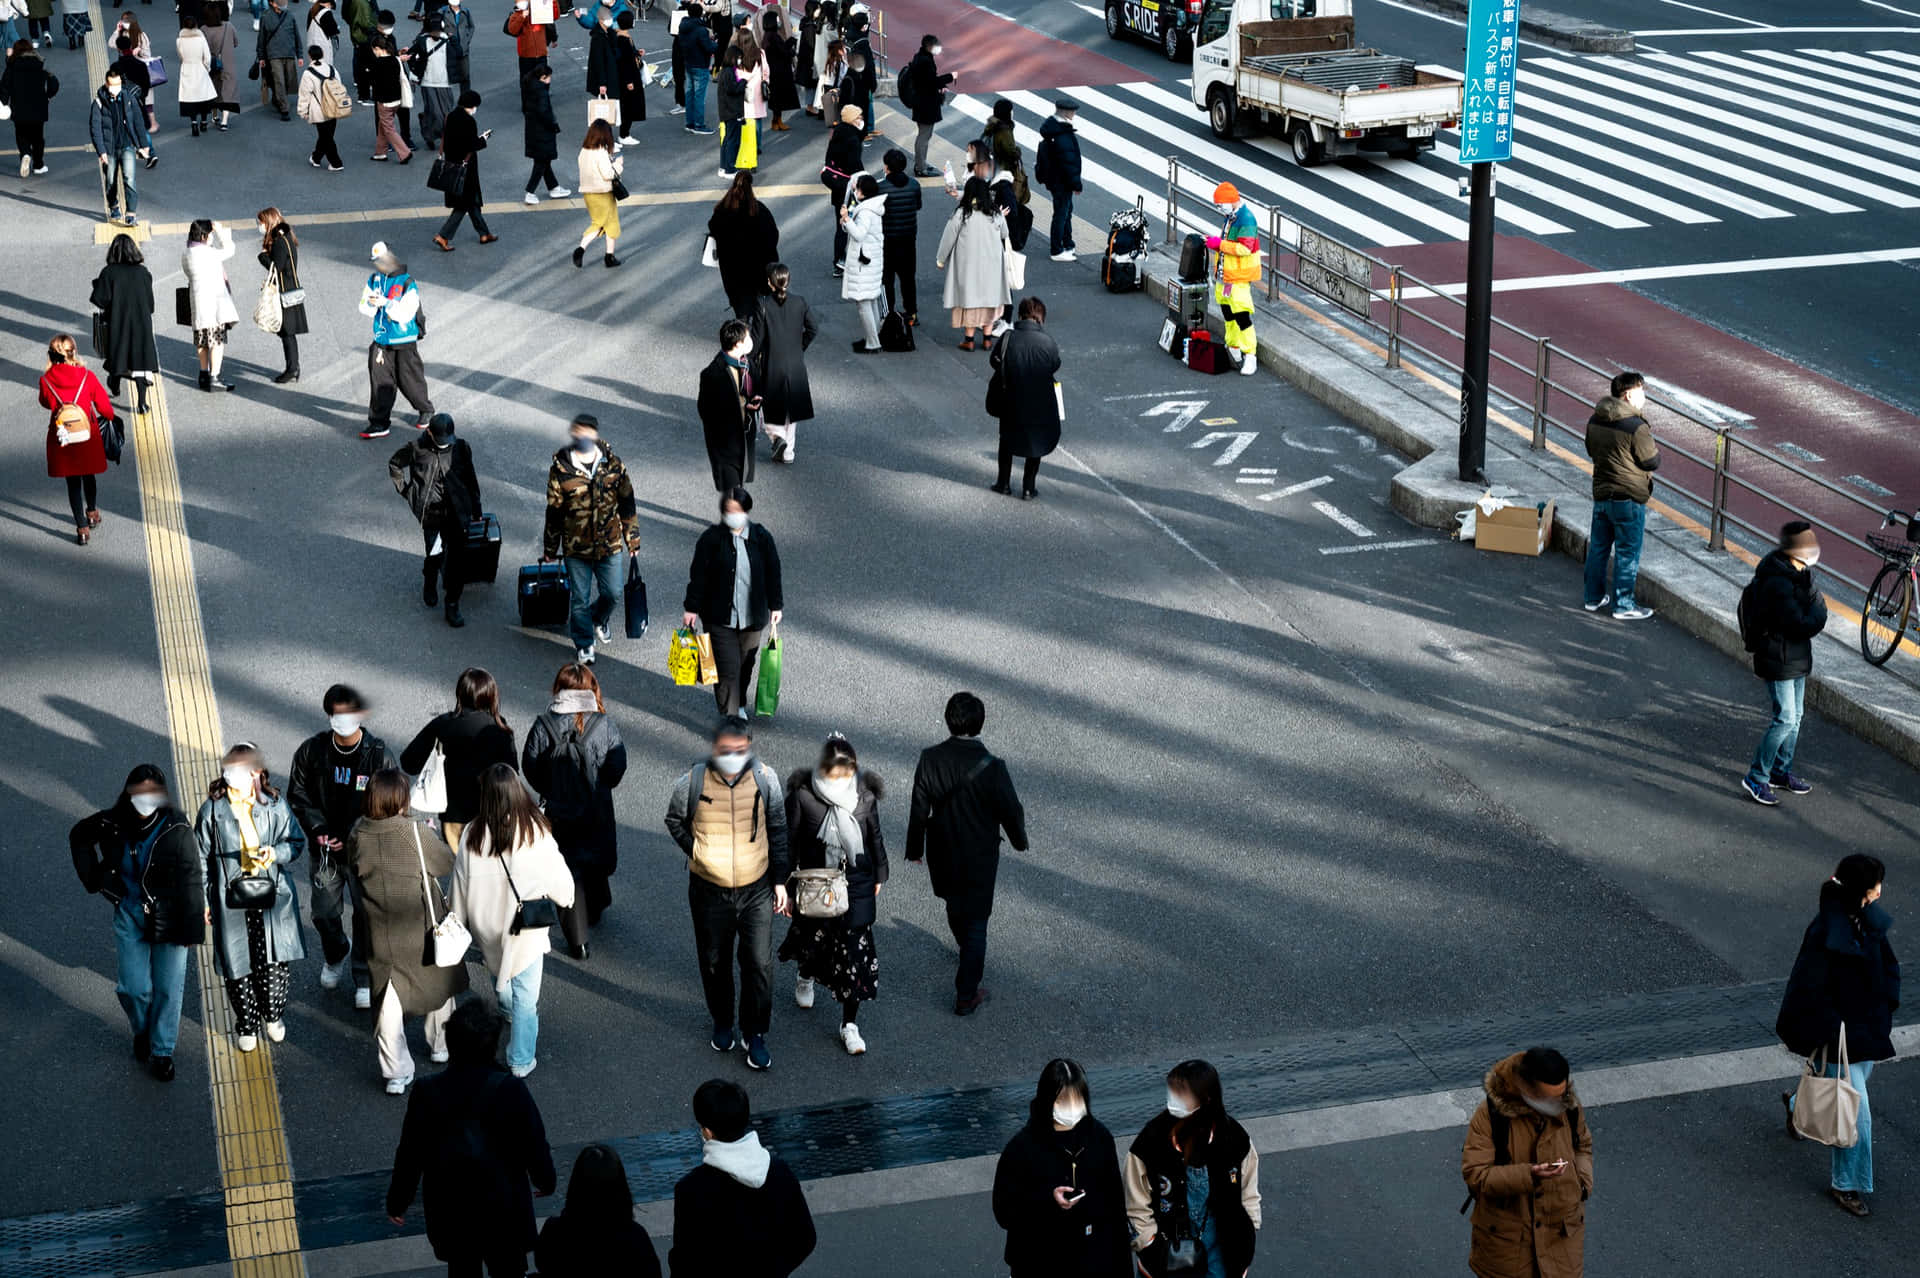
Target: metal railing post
[(1542, 357), (1393, 317), (1272, 262), (1717, 507), (1173, 208)]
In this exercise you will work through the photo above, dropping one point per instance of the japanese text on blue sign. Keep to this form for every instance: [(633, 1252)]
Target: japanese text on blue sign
[(1493, 55)]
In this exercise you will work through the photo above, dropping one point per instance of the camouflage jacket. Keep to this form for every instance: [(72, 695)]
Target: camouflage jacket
[(589, 516)]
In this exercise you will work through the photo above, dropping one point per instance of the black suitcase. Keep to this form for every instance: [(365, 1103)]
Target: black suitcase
[(480, 549), (1193, 259), (1122, 274), (543, 595)]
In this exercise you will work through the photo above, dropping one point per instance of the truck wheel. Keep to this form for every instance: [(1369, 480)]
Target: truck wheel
[(1223, 113), (1306, 152), (1170, 42), (1116, 28)]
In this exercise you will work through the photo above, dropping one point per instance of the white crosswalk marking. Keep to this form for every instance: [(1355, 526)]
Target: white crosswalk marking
[(1695, 136)]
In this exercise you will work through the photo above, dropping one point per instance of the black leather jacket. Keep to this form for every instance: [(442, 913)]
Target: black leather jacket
[(174, 884)]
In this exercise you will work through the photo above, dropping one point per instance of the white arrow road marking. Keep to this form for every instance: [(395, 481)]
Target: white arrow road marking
[(1183, 412), (1346, 521), (1291, 489), (1255, 479), (1242, 439)]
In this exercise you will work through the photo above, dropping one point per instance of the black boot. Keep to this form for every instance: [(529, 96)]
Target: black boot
[(206, 380), (580, 257), (454, 618), (290, 375)]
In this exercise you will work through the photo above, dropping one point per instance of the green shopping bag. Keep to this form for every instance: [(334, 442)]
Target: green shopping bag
[(766, 697)]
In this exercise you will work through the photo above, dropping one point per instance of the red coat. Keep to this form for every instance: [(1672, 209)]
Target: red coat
[(75, 384), (530, 38)]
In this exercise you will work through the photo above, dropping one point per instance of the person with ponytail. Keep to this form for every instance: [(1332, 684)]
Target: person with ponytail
[(1846, 978), (782, 327), (1193, 1180), (141, 855), (247, 831)]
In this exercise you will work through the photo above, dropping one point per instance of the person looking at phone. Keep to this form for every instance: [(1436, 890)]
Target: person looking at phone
[(1056, 1189), (729, 406), (460, 147), (1193, 1183), (1528, 1164)]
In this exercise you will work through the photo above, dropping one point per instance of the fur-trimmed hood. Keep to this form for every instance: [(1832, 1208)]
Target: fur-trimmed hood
[(1504, 1093)]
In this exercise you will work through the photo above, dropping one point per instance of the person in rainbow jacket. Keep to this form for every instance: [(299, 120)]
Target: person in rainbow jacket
[(1236, 267)]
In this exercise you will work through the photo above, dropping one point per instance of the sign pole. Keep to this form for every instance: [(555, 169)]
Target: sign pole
[(1479, 328), (1486, 139)]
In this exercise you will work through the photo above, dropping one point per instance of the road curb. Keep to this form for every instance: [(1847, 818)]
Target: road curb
[(1558, 29), (1695, 589)]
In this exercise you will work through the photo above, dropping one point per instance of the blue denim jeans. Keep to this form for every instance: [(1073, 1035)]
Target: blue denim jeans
[(9, 32), (1618, 526), (1060, 230), (125, 166), (584, 611), (1774, 758), (697, 80), (520, 1005), (151, 980)]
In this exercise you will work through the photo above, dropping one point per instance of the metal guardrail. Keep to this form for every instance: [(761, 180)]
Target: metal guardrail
[(1730, 480)]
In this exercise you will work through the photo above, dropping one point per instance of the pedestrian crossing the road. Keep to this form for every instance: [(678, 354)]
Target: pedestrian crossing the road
[(1688, 138)]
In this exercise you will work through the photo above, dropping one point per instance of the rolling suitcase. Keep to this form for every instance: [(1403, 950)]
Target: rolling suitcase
[(1126, 246), (1187, 304), (480, 549), (543, 595), (1193, 259)]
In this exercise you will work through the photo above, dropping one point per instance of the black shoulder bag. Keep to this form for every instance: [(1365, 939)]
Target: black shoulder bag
[(536, 915)]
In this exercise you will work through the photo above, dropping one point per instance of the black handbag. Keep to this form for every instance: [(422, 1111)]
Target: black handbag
[(536, 915), (100, 333), (113, 438), (183, 306), (252, 892), (437, 175), (636, 601), (619, 191)]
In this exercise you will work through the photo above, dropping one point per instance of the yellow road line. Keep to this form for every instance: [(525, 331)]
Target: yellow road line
[(256, 1173)]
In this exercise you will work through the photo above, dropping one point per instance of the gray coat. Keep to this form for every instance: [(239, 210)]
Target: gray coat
[(220, 841), (973, 252), (395, 897), (281, 36)]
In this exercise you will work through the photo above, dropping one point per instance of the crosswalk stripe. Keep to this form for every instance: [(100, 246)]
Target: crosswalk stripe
[(1866, 63), (1857, 70), (1504, 210), (1565, 201), (1707, 86), (1895, 55), (1382, 193), (1303, 196), (1764, 63), (1091, 171), (1749, 124), (1769, 182), (1777, 87)]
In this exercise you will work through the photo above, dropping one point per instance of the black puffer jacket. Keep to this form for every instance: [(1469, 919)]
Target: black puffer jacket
[(175, 881), (1787, 613), (806, 811), (594, 758), (900, 220), (1846, 973)]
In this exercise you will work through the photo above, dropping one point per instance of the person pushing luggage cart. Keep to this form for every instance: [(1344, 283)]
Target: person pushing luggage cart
[(1236, 267)]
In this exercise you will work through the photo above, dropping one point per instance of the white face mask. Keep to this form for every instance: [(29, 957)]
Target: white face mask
[(238, 776), (345, 725), (1069, 1113), (1808, 558), (1175, 1106), (935, 50), (147, 804), (730, 764), (735, 520)]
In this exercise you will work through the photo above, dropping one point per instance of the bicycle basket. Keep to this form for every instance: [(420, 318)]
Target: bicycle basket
[(1896, 548)]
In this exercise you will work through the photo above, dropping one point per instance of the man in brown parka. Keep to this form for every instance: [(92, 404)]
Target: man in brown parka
[(1528, 1163)]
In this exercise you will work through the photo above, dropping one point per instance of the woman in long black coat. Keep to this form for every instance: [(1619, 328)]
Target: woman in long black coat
[(783, 91), (124, 292), (629, 74), (783, 328), (1056, 1188), (280, 250), (603, 61), (746, 240), (462, 141), (542, 131), (1022, 395)]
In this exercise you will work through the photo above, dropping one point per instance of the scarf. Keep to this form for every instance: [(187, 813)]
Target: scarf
[(251, 859), (839, 831), (742, 1159), (574, 701)]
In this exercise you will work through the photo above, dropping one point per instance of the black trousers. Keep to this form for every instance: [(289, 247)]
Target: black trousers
[(730, 923), (290, 351), (452, 224), (898, 253), (323, 148), (1031, 469), (362, 73), (30, 136), (82, 494), (970, 934), (403, 116), (736, 655), (679, 77), (446, 565), (542, 172), (391, 369)]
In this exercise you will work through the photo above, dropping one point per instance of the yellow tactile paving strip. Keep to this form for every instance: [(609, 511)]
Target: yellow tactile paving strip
[(255, 1173)]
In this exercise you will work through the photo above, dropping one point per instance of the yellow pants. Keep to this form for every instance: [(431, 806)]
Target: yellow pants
[(1236, 308)]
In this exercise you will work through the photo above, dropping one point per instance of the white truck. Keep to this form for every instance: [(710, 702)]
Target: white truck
[(1289, 67)]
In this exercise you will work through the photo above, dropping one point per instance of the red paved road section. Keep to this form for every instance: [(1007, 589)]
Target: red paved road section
[(1608, 325), (991, 53)]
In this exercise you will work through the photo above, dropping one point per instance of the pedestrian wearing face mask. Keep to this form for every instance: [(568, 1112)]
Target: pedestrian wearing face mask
[(592, 526), (1624, 458), (327, 790), (434, 475), (734, 592), (280, 253), (142, 856), (472, 737), (1528, 1164), (1193, 1182), (729, 816), (1845, 978), (729, 405), (574, 759), (248, 835), (391, 299), (1783, 612), (927, 94), (1056, 1188)]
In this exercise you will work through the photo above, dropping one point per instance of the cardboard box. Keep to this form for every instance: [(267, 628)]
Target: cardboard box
[(1515, 530)]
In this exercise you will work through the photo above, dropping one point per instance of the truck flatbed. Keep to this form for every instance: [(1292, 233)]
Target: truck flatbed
[(1361, 68)]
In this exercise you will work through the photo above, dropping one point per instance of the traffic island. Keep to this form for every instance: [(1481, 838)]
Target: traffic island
[(1563, 31)]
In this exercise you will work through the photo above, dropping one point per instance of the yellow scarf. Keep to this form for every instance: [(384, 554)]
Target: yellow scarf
[(251, 860)]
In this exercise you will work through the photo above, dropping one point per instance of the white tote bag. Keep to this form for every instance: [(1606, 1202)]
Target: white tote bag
[(1827, 1109), (1016, 271), (710, 254), (448, 940), (428, 793)]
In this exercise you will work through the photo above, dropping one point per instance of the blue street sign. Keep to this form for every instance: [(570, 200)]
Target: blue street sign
[(1486, 107)]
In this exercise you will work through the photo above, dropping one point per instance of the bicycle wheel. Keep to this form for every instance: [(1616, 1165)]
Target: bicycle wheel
[(1884, 616)]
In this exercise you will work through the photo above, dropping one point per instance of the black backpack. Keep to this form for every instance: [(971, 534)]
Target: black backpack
[(903, 86), (571, 791), (1751, 637), (895, 333)]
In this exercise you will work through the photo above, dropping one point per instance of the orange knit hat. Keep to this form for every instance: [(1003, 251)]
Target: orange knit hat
[(1226, 193)]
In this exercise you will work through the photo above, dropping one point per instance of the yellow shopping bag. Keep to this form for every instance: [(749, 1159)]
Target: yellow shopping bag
[(683, 658), (749, 146)]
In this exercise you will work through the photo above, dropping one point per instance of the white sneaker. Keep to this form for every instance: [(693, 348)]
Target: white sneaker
[(629, 141), (439, 1056), (26, 165), (398, 1086), (803, 993), (246, 1042), (851, 1040), (521, 1071), (331, 974), (679, 110), (256, 24), (277, 1031), (532, 198), (604, 633), (1249, 364), (363, 998), (1596, 607), (559, 193), (584, 656), (1068, 256), (1640, 613)]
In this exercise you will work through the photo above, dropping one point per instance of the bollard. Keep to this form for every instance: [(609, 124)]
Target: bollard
[(1173, 197), (1717, 514), (1393, 317), (1542, 362)]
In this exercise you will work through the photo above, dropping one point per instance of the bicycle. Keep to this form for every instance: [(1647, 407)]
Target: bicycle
[(1895, 593)]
